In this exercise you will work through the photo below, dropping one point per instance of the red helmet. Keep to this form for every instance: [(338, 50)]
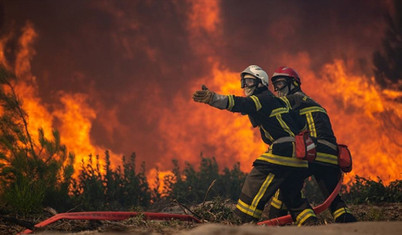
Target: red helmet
[(284, 71)]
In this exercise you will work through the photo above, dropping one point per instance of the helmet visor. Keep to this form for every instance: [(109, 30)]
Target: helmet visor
[(249, 82), (279, 84)]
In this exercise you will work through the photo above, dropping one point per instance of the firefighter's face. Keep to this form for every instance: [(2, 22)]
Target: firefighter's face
[(249, 84), (281, 86)]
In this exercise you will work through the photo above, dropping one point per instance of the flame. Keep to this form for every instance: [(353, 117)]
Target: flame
[(155, 175), (363, 116), (74, 115), (219, 133)]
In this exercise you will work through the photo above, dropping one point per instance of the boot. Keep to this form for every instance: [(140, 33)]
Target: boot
[(346, 218), (311, 221), (275, 213)]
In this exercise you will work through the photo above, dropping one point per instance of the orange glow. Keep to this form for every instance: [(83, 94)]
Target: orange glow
[(204, 15), (230, 135), (74, 115), (152, 177), (363, 116)]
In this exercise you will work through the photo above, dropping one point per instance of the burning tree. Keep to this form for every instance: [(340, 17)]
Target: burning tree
[(31, 172)]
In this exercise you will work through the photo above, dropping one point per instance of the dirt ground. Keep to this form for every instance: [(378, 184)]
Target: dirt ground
[(373, 219), (359, 228)]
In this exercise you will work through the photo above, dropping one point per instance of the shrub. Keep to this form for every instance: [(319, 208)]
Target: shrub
[(192, 186), (32, 172), (364, 190), (119, 189)]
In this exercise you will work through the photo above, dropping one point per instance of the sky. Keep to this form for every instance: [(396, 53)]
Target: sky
[(121, 73)]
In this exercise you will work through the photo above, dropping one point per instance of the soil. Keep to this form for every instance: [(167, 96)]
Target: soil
[(373, 219)]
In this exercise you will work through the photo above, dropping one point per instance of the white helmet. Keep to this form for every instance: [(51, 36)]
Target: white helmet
[(257, 72)]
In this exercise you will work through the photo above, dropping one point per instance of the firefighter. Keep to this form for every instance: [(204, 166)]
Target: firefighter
[(276, 168), (325, 168)]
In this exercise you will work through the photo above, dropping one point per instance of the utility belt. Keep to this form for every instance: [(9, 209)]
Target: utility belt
[(327, 143), (306, 149), (304, 145)]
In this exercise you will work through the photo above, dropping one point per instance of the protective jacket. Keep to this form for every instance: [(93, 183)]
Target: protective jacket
[(276, 168), (273, 116), (316, 120)]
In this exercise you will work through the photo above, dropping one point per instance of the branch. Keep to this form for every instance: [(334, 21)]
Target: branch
[(21, 114)]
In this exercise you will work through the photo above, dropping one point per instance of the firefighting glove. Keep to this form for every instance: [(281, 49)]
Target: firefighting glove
[(209, 97), (203, 96)]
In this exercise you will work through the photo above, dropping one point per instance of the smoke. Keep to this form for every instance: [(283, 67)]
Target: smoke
[(134, 64), (387, 70)]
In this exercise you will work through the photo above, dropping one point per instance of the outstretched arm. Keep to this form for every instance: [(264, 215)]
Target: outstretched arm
[(209, 97)]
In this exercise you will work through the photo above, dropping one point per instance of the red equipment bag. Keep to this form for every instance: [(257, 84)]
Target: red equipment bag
[(344, 158), (305, 147)]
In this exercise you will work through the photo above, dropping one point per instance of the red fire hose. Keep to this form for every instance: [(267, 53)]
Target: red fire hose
[(287, 219), (119, 215), (111, 215)]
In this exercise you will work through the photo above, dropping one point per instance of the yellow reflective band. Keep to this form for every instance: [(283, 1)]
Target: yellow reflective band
[(262, 190), (284, 161), (258, 105), (328, 158), (284, 125), (231, 102), (276, 203), (266, 133), (247, 209), (279, 111), (311, 125), (312, 109), (277, 194), (340, 212), (286, 101), (304, 215)]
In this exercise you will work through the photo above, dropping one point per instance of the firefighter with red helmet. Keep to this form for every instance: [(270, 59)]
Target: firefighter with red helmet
[(278, 168), (325, 169)]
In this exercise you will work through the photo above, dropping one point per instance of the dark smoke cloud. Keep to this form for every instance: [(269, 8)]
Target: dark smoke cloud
[(263, 30), (129, 56), (388, 72)]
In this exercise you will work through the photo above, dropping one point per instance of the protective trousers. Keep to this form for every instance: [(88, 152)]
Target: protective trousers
[(327, 177), (261, 184)]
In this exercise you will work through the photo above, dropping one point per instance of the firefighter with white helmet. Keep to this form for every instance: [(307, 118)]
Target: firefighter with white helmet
[(325, 168), (278, 168)]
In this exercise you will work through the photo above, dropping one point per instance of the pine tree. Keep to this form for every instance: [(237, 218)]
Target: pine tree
[(388, 70), (32, 172)]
